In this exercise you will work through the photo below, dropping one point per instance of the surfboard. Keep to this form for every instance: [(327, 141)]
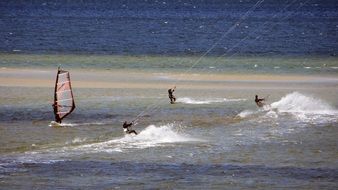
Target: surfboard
[(55, 124)]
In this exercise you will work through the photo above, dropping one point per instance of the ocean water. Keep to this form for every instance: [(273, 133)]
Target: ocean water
[(176, 27), (214, 137)]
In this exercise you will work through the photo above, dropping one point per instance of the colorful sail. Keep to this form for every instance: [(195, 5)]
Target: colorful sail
[(63, 96)]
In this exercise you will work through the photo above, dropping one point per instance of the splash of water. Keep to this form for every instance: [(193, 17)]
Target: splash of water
[(299, 103), (154, 136), (304, 108), (151, 136)]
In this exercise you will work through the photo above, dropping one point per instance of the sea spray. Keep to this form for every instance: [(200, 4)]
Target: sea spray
[(302, 107), (155, 136), (299, 103)]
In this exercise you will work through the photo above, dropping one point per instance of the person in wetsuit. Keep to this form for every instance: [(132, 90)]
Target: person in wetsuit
[(259, 101), (127, 128), (171, 96), (57, 117)]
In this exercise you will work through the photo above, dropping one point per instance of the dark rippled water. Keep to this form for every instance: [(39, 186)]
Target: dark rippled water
[(173, 176), (175, 27)]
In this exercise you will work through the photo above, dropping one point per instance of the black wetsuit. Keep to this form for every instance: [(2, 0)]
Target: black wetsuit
[(127, 126), (171, 96), (259, 101), (57, 118)]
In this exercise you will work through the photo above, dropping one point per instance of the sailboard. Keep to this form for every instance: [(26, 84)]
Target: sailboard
[(64, 103)]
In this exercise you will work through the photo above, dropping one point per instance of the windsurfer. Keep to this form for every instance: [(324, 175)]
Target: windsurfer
[(63, 96), (127, 128), (171, 96), (259, 101), (57, 118)]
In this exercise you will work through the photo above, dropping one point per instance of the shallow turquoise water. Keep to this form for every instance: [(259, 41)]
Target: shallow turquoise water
[(231, 64)]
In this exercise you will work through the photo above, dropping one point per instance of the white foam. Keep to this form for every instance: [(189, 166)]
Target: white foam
[(76, 140), (299, 103), (187, 100), (246, 113), (305, 108), (153, 136), (271, 114)]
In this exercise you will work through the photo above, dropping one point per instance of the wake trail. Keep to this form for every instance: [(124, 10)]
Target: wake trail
[(52, 124), (188, 100), (151, 136)]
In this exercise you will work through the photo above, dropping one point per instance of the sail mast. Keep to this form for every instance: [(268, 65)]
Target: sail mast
[(55, 105)]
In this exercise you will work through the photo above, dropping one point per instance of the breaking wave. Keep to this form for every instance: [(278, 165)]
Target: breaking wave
[(187, 100)]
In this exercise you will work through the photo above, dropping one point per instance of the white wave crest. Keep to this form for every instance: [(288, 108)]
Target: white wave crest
[(188, 100)]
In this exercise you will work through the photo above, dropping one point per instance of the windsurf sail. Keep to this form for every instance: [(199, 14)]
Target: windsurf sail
[(63, 96)]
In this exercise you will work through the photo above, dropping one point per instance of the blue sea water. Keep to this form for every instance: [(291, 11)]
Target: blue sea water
[(176, 27)]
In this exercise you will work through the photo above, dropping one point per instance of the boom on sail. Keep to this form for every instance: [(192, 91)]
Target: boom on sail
[(63, 96)]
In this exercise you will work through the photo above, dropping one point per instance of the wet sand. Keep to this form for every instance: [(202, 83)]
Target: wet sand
[(134, 79)]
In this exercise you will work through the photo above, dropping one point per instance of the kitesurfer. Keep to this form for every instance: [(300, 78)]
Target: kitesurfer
[(127, 128), (171, 96), (259, 101)]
